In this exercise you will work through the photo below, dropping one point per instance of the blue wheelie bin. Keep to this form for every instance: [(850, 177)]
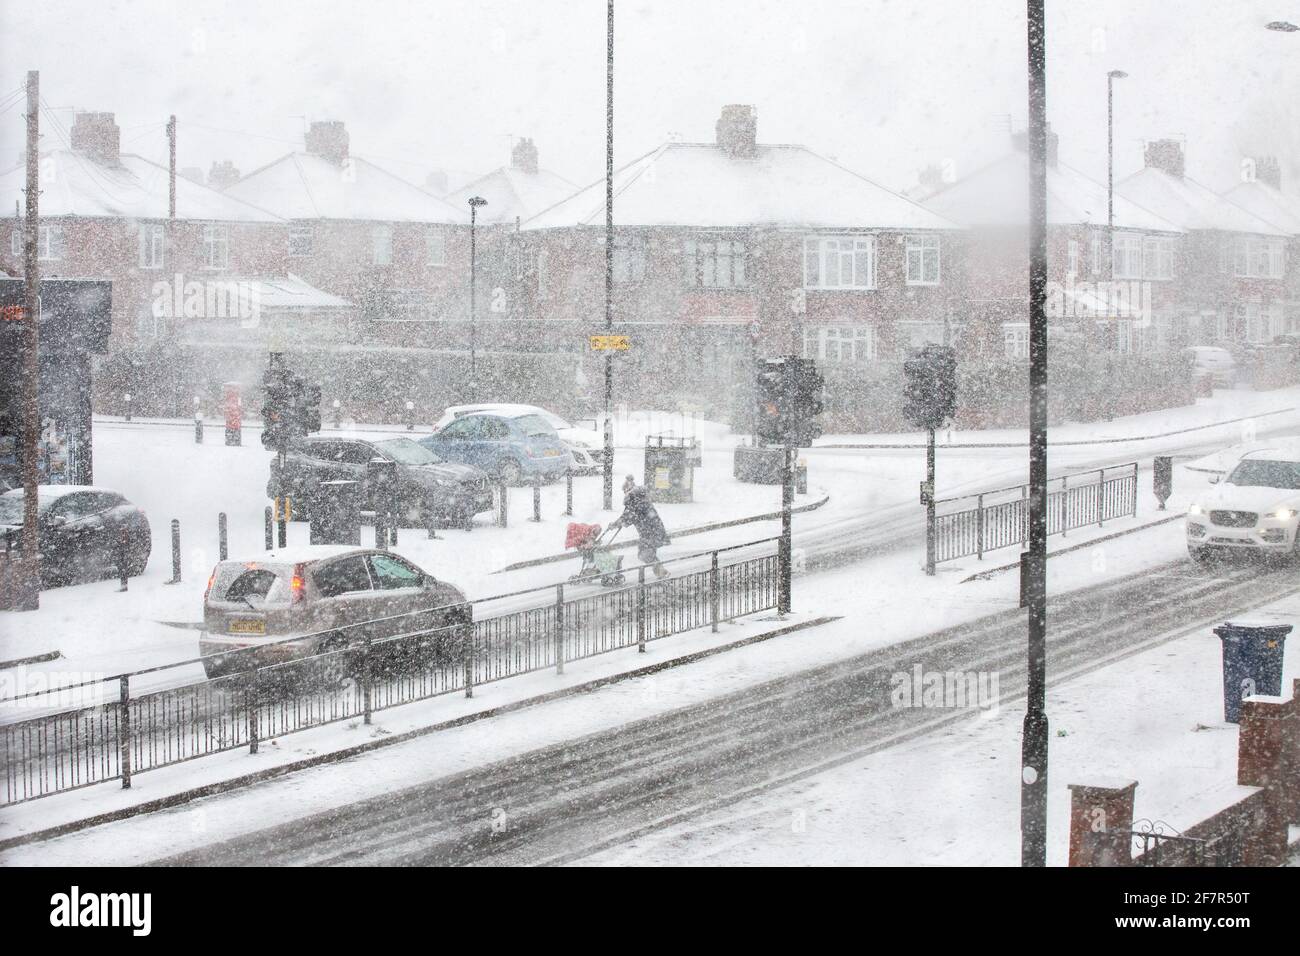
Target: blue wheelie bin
[(1252, 663)]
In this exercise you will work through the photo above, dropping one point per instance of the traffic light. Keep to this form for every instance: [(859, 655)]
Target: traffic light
[(277, 405), (930, 386), (309, 411), (789, 398)]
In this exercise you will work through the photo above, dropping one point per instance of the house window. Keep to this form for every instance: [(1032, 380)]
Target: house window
[(629, 259), (1015, 340), (1257, 258), (381, 246), (49, 242), (152, 241), (911, 335), (435, 247), (714, 263), (841, 262), (922, 260), (1096, 252), (1127, 257), (1072, 258), (216, 247), (16, 242), (840, 344), (1157, 257), (300, 238)]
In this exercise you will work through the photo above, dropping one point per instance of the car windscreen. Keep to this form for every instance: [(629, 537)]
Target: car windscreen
[(407, 452), (1262, 473), (555, 421), (535, 425)]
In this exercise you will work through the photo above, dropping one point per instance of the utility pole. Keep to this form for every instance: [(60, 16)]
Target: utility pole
[(1033, 563), (29, 596), (1111, 77), (171, 167), (609, 255), (474, 203)]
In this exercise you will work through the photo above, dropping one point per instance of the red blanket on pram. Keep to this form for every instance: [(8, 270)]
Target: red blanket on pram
[(580, 536)]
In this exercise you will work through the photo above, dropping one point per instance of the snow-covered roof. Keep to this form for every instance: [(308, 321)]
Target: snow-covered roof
[(287, 293), (1270, 204), (304, 186), (73, 184), (1187, 203), (701, 185), (300, 554), (511, 192), (998, 195)]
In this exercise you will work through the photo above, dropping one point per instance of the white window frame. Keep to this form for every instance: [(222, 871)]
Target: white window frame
[(153, 245), (1072, 258), (918, 250), (819, 251), (435, 247), (711, 259), (629, 259), (1157, 257), (844, 344), (49, 241), (1254, 257), (301, 241), (1097, 246), (1126, 249), (1015, 340), (381, 245), (216, 247)]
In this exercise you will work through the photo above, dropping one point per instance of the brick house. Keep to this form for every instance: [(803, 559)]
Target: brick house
[(515, 192)]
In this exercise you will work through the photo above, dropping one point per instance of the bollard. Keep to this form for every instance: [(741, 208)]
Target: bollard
[(469, 660), (338, 415), (410, 415), (537, 497), (198, 428), (222, 550), (559, 629), (124, 723), (127, 398), (285, 507), (504, 514), (270, 542), (568, 492), (176, 552), (122, 559), (1162, 479), (366, 677)]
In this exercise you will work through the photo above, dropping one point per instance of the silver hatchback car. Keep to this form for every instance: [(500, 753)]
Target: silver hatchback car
[(328, 597)]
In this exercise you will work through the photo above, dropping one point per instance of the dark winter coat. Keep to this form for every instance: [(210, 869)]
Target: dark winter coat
[(641, 514)]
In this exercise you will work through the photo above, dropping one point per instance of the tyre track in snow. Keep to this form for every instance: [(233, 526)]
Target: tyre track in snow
[(565, 801)]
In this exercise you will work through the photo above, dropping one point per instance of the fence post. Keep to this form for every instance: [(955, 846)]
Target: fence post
[(1133, 504), (1065, 505), (1101, 498), (979, 528), (366, 699), (222, 547), (176, 552), (537, 497), (713, 592), (640, 610), (124, 730), (250, 701), (559, 629), (568, 492), (270, 541), (469, 661)]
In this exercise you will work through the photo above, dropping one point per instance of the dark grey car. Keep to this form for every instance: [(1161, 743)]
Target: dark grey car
[(428, 488)]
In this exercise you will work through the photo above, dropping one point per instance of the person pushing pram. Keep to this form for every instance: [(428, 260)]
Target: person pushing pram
[(641, 514)]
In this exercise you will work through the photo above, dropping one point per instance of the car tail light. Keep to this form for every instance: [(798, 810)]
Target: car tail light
[(298, 584), (208, 590)]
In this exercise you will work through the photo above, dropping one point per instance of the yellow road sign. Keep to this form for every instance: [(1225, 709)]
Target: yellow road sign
[(610, 343)]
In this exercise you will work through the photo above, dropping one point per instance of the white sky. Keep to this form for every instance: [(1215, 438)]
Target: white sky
[(885, 86)]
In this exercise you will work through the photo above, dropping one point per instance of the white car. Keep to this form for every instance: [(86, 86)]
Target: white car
[(586, 444), (1254, 509), (1214, 363)]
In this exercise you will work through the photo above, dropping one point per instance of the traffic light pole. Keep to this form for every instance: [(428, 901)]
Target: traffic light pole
[(929, 502), (784, 548), (609, 252)]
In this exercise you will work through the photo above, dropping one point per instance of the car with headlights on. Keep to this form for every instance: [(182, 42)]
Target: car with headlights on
[(1255, 509)]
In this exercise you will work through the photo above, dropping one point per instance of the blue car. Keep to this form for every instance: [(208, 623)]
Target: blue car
[(512, 448)]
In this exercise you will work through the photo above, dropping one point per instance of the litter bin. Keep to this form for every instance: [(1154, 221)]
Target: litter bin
[(1252, 663), (336, 513), (758, 465), (670, 464)]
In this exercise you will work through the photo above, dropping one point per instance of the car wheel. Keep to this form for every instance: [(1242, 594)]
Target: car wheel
[(1201, 556), (509, 472)]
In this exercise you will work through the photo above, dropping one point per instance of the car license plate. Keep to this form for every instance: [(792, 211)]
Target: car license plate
[(247, 626), (551, 453)]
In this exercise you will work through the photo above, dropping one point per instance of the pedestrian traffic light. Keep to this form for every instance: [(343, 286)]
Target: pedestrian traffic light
[(789, 393), (930, 387), (309, 411), (277, 405), (769, 388)]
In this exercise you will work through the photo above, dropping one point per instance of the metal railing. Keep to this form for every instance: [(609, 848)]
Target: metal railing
[(137, 732), (1000, 519)]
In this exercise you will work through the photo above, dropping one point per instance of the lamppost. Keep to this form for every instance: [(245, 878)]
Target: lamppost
[(1111, 77), (474, 203), (609, 254)]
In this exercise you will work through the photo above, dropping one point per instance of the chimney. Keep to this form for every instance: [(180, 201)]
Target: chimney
[(737, 131), (524, 156), (97, 135), (328, 140), (1020, 141), (223, 174), (1166, 154), (1269, 171)]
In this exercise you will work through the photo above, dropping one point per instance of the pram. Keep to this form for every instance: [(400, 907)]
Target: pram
[(597, 560)]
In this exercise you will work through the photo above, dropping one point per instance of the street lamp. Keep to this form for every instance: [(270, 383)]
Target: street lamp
[(1111, 77), (474, 203)]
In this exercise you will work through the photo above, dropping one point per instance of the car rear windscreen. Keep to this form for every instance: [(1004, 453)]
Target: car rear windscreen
[(252, 585)]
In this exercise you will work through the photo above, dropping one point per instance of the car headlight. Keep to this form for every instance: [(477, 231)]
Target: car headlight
[(1282, 514), (1196, 510)]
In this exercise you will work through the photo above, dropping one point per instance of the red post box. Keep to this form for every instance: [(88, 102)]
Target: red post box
[(234, 406)]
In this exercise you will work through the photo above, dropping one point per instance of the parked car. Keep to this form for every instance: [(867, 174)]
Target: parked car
[(1213, 363), (1253, 510), (428, 487), (80, 531), (322, 595), (586, 445), (509, 447)]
